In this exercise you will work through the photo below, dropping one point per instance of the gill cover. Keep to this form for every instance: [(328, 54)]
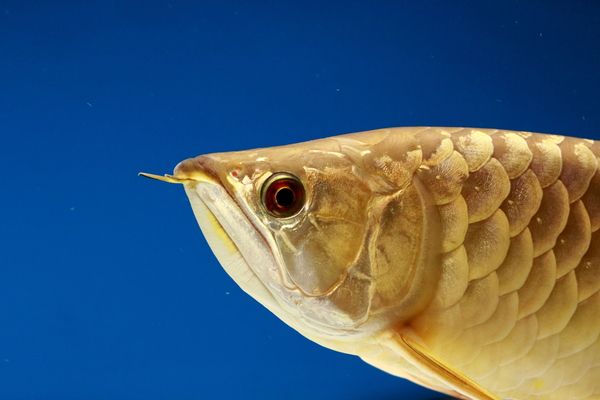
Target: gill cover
[(320, 246)]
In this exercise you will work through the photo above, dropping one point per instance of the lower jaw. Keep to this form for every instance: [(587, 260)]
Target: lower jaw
[(230, 253), (226, 250)]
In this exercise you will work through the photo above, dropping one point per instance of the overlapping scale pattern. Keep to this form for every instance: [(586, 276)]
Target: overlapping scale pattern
[(517, 307)]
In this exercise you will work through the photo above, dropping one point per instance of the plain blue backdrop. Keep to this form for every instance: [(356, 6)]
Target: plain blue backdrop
[(107, 288)]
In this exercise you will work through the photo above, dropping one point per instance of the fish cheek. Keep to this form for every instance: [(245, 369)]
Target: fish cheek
[(317, 258), (319, 252), (398, 262)]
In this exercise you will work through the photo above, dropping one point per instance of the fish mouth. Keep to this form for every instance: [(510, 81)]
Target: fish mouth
[(233, 239)]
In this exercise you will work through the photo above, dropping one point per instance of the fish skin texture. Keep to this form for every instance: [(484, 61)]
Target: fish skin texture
[(517, 308), (467, 259)]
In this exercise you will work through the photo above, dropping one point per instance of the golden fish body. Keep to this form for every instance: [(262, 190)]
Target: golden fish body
[(465, 260)]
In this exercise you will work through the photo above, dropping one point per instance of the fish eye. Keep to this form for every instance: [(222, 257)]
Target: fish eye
[(283, 195)]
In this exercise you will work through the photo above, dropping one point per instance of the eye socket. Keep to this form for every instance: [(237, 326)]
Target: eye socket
[(283, 195)]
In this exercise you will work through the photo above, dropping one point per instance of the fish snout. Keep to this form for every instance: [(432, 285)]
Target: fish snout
[(200, 169)]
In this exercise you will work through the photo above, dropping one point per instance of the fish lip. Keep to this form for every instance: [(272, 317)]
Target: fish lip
[(220, 202), (199, 169), (272, 300), (203, 171)]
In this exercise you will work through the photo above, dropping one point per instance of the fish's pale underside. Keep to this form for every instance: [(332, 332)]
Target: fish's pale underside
[(465, 260)]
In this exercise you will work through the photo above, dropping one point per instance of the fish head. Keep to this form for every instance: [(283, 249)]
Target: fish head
[(294, 227)]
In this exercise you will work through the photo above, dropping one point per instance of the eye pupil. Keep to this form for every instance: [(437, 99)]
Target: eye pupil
[(283, 195)]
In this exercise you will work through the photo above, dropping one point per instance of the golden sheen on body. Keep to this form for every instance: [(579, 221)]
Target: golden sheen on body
[(465, 260)]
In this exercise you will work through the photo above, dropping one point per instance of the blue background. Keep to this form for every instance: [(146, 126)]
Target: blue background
[(107, 288)]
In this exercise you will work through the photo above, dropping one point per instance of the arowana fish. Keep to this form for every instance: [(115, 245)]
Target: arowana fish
[(465, 260)]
